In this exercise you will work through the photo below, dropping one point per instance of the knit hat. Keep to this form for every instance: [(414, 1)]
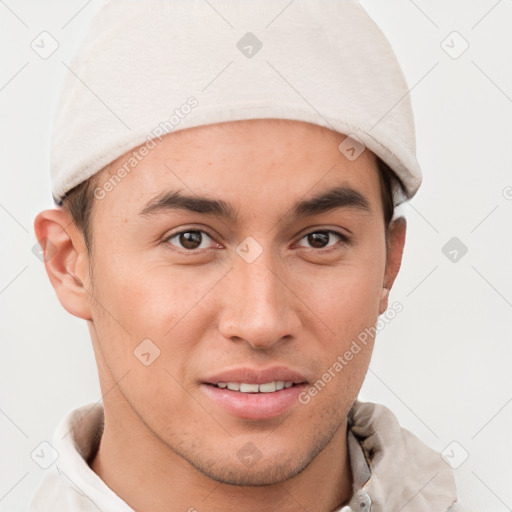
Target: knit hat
[(151, 67)]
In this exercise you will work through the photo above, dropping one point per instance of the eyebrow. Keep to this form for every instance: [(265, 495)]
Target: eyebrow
[(338, 197)]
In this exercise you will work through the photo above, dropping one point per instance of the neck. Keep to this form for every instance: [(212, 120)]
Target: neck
[(149, 476)]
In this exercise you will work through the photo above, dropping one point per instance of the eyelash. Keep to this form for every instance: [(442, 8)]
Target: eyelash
[(344, 240)]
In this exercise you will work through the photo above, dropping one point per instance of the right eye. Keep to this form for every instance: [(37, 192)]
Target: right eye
[(190, 240)]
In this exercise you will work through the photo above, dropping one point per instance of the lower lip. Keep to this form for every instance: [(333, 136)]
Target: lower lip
[(255, 406)]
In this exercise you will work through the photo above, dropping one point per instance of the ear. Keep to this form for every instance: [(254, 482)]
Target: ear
[(66, 260), (393, 260)]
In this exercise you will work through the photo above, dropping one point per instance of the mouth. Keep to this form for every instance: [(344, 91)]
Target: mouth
[(252, 394), (266, 387)]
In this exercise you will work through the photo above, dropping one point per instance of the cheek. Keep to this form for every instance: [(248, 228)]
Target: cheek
[(347, 297), (144, 319), (346, 300), (137, 301), (148, 298), (349, 307)]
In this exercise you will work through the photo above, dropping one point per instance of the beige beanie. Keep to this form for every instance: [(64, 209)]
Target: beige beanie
[(151, 67)]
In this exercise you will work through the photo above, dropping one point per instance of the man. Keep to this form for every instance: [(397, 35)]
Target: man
[(229, 238)]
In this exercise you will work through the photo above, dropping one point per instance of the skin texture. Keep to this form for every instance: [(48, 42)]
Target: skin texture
[(166, 445)]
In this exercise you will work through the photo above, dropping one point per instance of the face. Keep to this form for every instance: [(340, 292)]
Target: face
[(253, 279)]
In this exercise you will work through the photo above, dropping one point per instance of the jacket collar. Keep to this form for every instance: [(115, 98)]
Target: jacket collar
[(392, 469)]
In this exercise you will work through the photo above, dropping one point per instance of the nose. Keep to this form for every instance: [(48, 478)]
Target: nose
[(258, 304)]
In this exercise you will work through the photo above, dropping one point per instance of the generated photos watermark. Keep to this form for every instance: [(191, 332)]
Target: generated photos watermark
[(152, 140), (356, 347)]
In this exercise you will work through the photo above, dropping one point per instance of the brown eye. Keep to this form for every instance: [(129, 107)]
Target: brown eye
[(319, 239), (323, 239), (190, 240)]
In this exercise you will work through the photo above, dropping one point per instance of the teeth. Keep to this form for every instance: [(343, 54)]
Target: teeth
[(267, 387), (249, 388)]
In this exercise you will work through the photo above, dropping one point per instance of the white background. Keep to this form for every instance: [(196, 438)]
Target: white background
[(442, 365)]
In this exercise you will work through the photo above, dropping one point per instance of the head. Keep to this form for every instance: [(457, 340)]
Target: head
[(139, 264)]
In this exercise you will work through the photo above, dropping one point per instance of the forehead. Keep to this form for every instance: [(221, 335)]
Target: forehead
[(259, 163)]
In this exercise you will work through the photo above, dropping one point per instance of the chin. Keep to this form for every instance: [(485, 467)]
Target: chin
[(252, 467), (272, 472)]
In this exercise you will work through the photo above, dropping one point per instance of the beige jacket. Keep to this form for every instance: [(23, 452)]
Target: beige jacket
[(392, 469)]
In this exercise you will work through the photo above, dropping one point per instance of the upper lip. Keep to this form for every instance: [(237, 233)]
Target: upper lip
[(257, 375)]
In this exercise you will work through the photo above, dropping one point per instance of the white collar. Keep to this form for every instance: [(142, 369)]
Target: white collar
[(391, 468)]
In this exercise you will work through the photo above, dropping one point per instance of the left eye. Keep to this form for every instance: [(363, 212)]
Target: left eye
[(189, 240), (320, 239)]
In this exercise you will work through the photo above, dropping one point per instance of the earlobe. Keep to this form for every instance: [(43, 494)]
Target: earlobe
[(397, 232), (384, 294), (65, 259)]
